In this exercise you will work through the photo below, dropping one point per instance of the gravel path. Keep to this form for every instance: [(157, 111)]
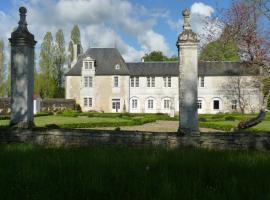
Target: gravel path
[(158, 126)]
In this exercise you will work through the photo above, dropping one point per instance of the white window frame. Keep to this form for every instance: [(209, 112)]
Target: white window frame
[(150, 104), (199, 104), (167, 81), (117, 67), (116, 81), (166, 104), (132, 84), (137, 81), (134, 103), (88, 65), (202, 81), (88, 81), (85, 102), (234, 104)]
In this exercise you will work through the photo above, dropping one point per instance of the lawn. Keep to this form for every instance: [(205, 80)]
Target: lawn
[(110, 172), (89, 120)]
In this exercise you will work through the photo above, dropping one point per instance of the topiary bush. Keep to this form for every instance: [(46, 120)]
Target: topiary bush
[(202, 119), (229, 118)]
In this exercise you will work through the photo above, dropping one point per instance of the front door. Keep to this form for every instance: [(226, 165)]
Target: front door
[(115, 105)]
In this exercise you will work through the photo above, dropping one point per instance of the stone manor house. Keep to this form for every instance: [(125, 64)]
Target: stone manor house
[(101, 80)]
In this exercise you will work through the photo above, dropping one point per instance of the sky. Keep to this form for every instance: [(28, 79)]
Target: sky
[(135, 27)]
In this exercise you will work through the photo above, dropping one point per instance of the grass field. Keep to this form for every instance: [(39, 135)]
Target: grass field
[(29, 172), (90, 120)]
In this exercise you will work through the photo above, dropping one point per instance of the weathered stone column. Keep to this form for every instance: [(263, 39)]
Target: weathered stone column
[(22, 74), (187, 45)]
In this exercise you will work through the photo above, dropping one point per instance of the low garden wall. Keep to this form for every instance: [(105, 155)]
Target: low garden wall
[(46, 105), (76, 137), (57, 104)]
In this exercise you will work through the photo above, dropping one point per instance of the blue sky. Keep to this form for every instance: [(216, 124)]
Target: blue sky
[(136, 27)]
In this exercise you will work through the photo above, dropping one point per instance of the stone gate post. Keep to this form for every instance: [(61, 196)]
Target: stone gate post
[(187, 45), (22, 74)]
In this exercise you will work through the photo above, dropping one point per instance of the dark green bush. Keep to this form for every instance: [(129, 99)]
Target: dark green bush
[(4, 117), (229, 118), (202, 119), (41, 114)]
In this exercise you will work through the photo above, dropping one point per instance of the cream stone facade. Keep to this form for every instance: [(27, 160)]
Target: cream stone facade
[(102, 81)]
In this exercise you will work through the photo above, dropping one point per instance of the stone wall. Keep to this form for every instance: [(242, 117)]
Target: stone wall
[(57, 104), (75, 137), (4, 105), (46, 105)]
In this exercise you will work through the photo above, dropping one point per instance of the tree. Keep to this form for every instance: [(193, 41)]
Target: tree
[(242, 21), (220, 51), (2, 69), (158, 56), (239, 89), (58, 65), (46, 63), (75, 38)]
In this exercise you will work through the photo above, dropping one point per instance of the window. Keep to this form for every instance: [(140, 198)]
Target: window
[(199, 104), (134, 103), (166, 104), (234, 104), (202, 82), (90, 102), (115, 81), (88, 81), (150, 104), (150, 81), (115, 105), (85, 101), (85, 81), (137, 82), (167, 81), (88, 65), (216, 104), (117, 67), (132, 81), (153, 81)]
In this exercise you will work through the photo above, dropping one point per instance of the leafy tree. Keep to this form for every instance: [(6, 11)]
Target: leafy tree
[(75, 38), (59, 60), (220, 51), (2, 69), (158, 56), (46, 63)]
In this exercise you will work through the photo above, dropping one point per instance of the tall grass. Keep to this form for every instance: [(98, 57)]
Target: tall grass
[(29, 172)]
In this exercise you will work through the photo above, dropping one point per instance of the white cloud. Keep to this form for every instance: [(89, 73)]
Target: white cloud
[(202, 9), (100, 21)]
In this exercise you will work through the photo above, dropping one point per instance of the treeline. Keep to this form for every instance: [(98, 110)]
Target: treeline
[(52, 66)]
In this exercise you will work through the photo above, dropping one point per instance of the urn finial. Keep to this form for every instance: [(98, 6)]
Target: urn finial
[(22, 21)]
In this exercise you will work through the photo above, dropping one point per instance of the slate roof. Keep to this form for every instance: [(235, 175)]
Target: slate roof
[(107, 58), (105, 61)]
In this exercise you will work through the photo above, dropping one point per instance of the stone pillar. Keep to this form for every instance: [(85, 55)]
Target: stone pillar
[(187, 45), (22, 74)]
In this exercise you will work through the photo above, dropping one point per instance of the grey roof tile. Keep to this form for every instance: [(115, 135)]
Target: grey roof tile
[(107, 58)]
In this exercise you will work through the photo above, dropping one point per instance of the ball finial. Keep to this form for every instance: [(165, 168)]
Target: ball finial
[(186, 12), (23, 10)]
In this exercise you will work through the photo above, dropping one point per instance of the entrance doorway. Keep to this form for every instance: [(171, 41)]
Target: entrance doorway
[(115, 105)]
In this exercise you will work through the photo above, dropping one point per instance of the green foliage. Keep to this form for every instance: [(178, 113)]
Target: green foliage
[(46, 63), (158, 56), (58, 65), (2, 69), (42, 114), (76, 35), (202, 119), (229, 118), (220, 51)]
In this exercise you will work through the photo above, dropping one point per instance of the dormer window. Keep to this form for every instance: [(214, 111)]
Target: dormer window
[(117, 67), (88, 65)]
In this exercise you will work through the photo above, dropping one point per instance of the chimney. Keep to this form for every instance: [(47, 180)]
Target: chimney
[(77, 50)]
